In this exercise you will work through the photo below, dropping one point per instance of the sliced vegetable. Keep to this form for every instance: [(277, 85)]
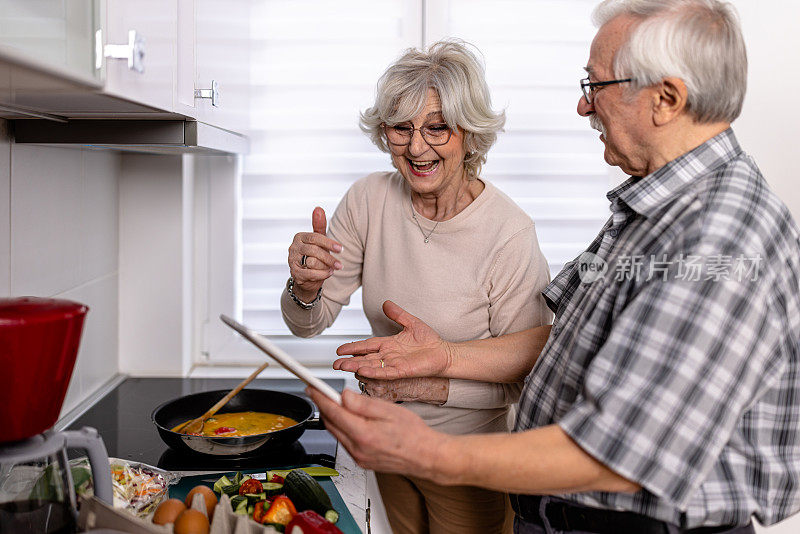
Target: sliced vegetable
[(307, 494), (259, 511), (253, 498), (272, 488), (222, 482), (230, 490), (239, 478), (281, 511), (310, 522), (224, 430), (250, 486), (237, 500)]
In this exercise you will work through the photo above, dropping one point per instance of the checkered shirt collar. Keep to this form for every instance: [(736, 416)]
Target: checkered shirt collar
[(646, 195)]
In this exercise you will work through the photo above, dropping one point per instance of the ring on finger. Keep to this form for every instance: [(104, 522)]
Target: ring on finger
[(303, 260), (383, 364), (363, 388)]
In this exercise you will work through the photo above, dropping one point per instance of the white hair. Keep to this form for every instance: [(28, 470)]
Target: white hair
[(458, 77), (698, 41)]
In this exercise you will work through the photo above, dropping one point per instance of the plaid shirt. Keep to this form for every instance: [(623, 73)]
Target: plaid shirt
[(674, 355)]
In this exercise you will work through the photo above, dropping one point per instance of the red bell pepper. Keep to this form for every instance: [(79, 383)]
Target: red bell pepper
[(224, 430), (281, 511), (259, 512), (310, 522)]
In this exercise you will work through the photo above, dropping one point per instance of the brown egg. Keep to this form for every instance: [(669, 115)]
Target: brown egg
[(167, 511), (191, 522), (208, 495)]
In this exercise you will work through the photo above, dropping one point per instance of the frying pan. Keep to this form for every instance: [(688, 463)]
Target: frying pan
[(172, 413)]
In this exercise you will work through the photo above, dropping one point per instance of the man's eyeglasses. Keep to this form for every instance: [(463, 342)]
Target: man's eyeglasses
[(590, 88), (433, 134)]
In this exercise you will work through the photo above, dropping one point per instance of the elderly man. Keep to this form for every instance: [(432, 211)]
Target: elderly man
[(666, 397)]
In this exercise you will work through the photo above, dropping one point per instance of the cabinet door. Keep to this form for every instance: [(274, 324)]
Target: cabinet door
[(52, 33), (213, 51), (154, 21)]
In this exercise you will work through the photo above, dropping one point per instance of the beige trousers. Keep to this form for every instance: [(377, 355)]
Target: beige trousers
[(417, 506)]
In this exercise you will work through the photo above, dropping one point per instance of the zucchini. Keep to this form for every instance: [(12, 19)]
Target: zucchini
[(253, 498), (239, 504), (272, 488), (307, 494), (221, 483), (230, 490)]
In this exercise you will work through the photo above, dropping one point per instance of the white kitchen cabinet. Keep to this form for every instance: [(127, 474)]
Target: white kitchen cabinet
[(53, 32), (213, 62), (123, 59), (149, 28)]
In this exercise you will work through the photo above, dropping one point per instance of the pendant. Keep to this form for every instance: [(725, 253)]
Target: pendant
[(426, 239)]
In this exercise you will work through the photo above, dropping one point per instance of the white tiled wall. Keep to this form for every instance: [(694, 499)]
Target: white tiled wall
[(59, 238)]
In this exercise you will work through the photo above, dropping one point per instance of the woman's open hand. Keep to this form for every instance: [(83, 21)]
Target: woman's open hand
[(310, 258), (414, 352)]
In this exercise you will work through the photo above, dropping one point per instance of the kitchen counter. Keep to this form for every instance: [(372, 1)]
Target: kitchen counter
[(122, 417), (352, 486)]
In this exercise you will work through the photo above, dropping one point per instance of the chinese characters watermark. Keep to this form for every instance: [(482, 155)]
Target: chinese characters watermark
[(686, 267)]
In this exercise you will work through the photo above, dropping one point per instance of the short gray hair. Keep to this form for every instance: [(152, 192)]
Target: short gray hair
[(698, 41), (457, 75)]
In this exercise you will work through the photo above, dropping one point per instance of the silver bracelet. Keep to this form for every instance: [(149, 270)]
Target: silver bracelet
[(304, 305)]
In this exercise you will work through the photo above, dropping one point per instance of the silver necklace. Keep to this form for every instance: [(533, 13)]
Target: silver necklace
[(414, 216)]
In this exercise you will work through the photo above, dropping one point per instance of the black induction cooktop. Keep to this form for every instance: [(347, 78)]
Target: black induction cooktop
[(122, 417)]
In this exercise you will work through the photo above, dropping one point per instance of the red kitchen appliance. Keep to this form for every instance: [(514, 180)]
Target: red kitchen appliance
[(39, 340)]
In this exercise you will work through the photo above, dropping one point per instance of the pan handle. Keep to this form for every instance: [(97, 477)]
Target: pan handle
[(315, 422)]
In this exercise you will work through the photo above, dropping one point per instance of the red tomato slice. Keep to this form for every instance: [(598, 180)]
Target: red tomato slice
[(251, 486)]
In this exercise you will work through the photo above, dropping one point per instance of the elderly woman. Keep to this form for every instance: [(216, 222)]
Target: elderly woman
[(443, 243)]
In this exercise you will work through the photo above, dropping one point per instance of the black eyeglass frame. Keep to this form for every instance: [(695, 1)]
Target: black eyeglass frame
[(588, 87), (415, 129)]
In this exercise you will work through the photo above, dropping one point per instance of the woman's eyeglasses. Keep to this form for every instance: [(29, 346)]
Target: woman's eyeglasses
[(401, 134)]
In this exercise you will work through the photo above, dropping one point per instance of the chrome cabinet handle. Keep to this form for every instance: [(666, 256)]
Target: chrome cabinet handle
[(133, 51), (212, 93)]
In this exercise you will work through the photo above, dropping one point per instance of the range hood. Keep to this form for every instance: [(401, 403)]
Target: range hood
[(147, 136)]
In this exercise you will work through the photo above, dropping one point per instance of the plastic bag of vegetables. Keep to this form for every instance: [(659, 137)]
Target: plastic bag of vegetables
[(138, 488)]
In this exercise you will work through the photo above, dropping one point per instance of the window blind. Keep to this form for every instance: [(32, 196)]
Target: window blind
[(314, 67)]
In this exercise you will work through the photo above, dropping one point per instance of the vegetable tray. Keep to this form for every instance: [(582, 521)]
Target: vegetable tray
[(346, 522)]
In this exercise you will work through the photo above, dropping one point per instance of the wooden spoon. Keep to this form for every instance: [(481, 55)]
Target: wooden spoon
[(195, 426)]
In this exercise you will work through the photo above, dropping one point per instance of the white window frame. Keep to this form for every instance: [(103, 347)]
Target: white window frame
[(219, 349)]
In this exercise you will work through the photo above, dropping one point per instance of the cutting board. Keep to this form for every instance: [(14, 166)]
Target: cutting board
[(346, 522)]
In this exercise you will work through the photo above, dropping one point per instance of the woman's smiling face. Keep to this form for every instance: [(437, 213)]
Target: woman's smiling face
[(430, 169)]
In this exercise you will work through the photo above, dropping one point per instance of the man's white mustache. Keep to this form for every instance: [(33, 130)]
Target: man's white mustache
[(595, 123)]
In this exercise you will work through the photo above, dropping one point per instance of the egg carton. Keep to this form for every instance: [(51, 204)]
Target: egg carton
[(96, 514)]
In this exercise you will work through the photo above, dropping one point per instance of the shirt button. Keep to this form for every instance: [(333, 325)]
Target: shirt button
[(613, 232)]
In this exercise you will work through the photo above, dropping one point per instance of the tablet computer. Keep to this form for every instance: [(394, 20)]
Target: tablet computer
[(280, 356)]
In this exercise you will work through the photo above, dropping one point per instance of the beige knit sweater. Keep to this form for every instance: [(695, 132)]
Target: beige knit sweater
[(480, 276)]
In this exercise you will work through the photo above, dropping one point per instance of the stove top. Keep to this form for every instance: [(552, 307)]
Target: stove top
[(122, 417)]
